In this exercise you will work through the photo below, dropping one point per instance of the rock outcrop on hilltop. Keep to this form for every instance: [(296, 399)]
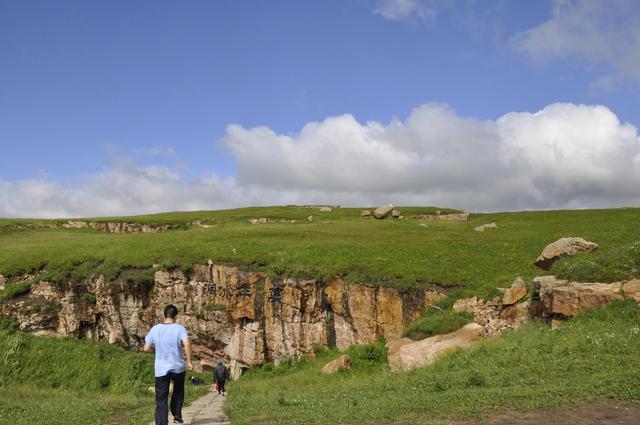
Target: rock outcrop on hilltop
[(561, 248), (244, 317)]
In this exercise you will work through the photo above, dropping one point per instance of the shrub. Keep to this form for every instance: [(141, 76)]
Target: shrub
[(476, 380), (14, 290), (88, 298), (369, 355)]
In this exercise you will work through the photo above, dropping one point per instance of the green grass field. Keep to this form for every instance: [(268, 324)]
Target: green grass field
[(593, 356), (338, 243), (52, 381)]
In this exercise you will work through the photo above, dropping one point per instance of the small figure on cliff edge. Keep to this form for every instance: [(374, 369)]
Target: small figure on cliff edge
[(168, 339), (220, 376)]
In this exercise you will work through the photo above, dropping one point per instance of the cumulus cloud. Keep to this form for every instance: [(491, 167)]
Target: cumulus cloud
[(597, 31), (402, 10), (563, 156)]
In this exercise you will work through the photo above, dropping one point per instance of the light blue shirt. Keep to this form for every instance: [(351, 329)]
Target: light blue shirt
[(167, 339)]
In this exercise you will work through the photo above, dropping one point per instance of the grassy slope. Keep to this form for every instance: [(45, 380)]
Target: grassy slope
[(59, 381), (593, 356), (389, 252)]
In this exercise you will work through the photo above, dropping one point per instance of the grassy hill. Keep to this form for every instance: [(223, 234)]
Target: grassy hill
[(593, 356), (52, 381), (338, 243)]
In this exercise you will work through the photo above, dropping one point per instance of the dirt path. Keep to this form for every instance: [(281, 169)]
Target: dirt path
[(602, 412), (207, 410)]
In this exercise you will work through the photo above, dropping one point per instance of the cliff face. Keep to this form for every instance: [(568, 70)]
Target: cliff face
[(247, 318)]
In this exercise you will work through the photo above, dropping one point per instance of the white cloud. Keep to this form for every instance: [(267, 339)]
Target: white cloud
[(402, 10), (564, 156), (600, 32)]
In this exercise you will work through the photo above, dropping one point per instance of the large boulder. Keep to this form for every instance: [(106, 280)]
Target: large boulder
[(383, 211), (514, 294), (569, 299), (365, 213), (484, 227), (516, 314), (342, 362), (408, 356), (632, 289), (563, 247)]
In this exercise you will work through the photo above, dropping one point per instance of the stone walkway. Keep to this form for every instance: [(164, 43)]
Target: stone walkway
[(207, 410)]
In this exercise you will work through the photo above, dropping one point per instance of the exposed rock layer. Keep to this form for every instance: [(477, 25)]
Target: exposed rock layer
[(245, 317)]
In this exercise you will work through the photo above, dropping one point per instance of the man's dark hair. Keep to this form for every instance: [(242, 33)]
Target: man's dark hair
[(170, 311)]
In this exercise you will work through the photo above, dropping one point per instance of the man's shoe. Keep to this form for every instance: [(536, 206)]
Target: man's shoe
[(178, 420)]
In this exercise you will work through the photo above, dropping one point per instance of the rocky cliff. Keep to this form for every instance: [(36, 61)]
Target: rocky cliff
[(245, 317)]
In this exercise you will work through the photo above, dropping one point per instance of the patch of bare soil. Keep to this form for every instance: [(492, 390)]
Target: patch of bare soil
[(601, 412)]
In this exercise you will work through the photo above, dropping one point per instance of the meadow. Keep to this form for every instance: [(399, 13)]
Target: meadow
[(449, 256), (592, 356), (56, 381)]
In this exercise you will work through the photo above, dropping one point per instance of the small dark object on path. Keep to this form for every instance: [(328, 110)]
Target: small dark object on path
[(195, 381)]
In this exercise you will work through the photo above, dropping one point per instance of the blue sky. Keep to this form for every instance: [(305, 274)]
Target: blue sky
[(91, 88)]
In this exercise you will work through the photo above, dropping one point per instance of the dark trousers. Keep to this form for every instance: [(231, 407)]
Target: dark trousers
[(162, 393), (220, 387)]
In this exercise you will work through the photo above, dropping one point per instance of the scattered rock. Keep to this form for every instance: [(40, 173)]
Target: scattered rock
[(484, 227), (631, 289), (3, 281), (326, 209), (563, 247), (383, 211), (75, 224), (467, 305), (395, 213), (517, 291), (555, 324), (443, 217), (342, 362), (365, 213), (310, 219), (261, 220), (424, 225), (408, 356), (401, 217), (516, 314)]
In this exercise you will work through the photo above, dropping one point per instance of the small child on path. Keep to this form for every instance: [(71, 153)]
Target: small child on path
[(220, 376)]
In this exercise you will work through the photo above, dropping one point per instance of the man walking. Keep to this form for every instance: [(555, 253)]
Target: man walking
[(168, 339), (220, 376)]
